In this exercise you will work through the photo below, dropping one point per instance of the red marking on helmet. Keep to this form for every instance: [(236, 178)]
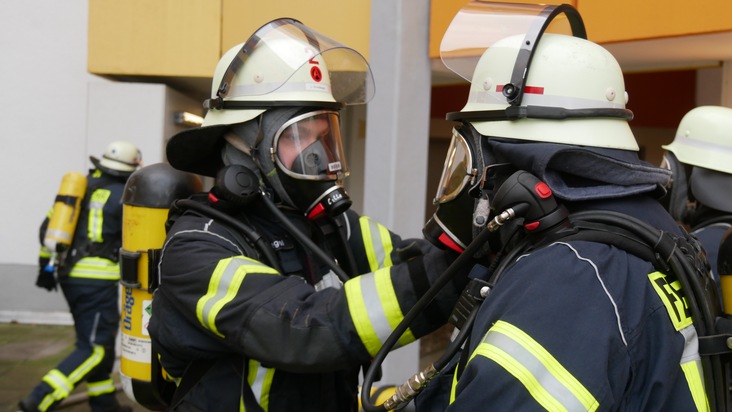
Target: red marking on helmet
[(450, 243), (316, 211), (542, 190), (527, 89), (532, 225), (316, 74)]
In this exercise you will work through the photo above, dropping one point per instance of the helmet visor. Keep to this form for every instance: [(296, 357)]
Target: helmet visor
[(309, 147), (478, 25), (291, 45), (457, 171)]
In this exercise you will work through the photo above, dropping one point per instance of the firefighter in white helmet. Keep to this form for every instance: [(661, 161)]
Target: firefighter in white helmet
[(570, 323), (700, 158), (275, 301), (88, 273)]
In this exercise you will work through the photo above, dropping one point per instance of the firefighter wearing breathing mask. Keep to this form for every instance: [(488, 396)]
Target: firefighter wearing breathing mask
[(569, 324), (700, 159), (275, 301)]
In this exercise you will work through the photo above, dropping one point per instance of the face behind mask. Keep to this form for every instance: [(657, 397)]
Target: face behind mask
[(308, 154)]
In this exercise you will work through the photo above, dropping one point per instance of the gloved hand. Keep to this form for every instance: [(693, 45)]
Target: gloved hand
[(46, 278)]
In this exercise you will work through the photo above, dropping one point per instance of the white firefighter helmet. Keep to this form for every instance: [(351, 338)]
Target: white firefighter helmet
[(529, 84), (566, 73), (120, 156), (704, 138), (283, 64)]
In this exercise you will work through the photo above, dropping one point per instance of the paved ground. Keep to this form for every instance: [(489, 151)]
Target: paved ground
[(27, 352)]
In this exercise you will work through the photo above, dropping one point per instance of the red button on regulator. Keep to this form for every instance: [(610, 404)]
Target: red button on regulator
[(542, 190)]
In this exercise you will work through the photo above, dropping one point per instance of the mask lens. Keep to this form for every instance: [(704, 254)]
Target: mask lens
[(456, 172), (309, 147)]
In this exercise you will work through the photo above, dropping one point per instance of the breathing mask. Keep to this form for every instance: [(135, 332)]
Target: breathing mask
[(308, 153)]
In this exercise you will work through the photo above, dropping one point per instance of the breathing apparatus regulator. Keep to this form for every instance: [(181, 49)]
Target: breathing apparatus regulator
[(65, 215)]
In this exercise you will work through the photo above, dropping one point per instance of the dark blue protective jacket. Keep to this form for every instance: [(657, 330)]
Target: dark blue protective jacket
[(583, 326)]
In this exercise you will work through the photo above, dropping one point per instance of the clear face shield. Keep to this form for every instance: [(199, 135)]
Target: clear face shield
[(309, 147), (285, 61), (458, 170), (479, 25)]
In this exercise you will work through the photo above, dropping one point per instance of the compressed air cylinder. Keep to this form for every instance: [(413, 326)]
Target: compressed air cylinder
[(66, 210), (149, 192)]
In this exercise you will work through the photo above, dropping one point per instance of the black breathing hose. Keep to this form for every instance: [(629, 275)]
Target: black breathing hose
[(295, 232)]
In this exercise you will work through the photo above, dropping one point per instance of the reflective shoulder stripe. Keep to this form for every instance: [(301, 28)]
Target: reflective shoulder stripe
[(375, 309), (260, 380), (678, 312), (96, 214), (377, 242), (548, 382), (223, 287)]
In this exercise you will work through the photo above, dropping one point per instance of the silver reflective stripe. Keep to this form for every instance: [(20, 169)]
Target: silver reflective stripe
[(376, 243), (223, 287), (377, 316), (330, 280)]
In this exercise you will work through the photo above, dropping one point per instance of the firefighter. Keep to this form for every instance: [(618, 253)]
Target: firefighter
[(274, 301), (88, 274), (568, 324), (700, 159)]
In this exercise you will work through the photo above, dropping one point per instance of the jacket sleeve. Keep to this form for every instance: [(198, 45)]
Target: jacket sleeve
[(282, 321)]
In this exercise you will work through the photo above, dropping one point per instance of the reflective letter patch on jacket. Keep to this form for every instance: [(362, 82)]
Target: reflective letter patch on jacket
[(223, 287), (375, 309), (548, 382), (679, 314)]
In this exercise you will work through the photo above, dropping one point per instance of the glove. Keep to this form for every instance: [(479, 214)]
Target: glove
[(46, 277)]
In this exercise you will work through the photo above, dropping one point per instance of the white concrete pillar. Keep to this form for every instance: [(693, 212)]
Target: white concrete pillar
[(397, 134)]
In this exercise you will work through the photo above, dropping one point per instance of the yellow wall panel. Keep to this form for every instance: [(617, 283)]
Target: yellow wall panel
[(623, 20), (154, 38), (347, 22)]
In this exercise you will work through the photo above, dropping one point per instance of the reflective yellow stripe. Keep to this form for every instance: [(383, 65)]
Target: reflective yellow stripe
[(61, 388), (692, 372), (100, 388), (377, 243), (95, 268), (96, 214), (548, 382), (223, 287), (674, 300), (44, 253), (260, 380), (374, 309), (90, 363)]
